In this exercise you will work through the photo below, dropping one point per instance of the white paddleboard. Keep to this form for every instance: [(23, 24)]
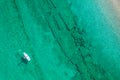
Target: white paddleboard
[(26, 56)]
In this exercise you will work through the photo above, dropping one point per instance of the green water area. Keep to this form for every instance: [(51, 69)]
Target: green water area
[(64, 40)]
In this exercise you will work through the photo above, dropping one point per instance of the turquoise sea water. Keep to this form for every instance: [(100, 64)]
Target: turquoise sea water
[(66, 41), (99, 19)]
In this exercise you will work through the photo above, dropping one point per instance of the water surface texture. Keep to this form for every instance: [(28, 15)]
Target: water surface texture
[(66, 39)]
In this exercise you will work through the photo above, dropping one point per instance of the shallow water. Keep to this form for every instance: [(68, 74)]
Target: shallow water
[(101, 22), (66, 40)]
